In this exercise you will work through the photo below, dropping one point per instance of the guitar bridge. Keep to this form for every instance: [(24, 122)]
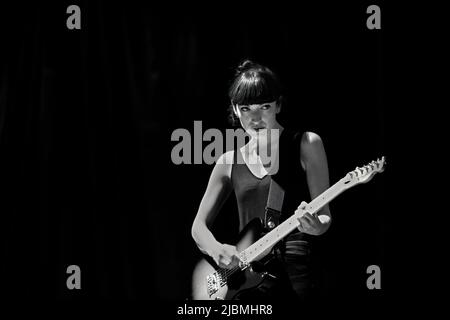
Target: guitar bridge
[(213, 283)]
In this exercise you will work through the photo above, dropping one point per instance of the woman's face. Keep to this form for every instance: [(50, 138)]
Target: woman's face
[(256, 117)]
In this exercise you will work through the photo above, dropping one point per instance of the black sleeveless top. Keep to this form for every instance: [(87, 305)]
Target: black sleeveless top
[(252, 192)]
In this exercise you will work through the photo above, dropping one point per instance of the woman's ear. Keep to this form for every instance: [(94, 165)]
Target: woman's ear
[(278, 106)]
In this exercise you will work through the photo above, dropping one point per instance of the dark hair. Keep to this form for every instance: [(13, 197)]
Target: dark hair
[(253, 84)]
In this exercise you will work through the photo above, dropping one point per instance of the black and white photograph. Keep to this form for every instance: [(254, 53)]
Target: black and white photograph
[(222, 161)]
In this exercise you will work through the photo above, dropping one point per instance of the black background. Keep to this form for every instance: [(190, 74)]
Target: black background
[(85, 135)]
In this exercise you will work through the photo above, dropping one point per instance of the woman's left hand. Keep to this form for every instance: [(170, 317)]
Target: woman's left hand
[(310, 223)]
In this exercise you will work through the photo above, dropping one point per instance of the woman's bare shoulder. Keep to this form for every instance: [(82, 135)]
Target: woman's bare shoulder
[(312, 148), (224, 163)]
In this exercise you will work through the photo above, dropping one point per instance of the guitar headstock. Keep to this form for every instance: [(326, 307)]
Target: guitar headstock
[(365, 173)]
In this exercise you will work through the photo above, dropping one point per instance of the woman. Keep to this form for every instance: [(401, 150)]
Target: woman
[(301, 164)]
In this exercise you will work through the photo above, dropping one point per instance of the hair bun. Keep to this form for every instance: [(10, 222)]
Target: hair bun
[(244, 66)]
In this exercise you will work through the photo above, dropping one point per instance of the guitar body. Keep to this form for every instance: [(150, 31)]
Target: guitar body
[(239, 281), (227, 292)]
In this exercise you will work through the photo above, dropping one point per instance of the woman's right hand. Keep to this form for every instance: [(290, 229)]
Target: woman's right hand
[(226, 256)]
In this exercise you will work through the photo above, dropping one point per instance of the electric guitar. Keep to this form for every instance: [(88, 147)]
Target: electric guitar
[(210, 282)]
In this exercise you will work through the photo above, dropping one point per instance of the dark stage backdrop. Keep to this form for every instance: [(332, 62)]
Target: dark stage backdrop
[(86, 120)]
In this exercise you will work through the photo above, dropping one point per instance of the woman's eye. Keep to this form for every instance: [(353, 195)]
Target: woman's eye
[(244, 109), (265, 107)]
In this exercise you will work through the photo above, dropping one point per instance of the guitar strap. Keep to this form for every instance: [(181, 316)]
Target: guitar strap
[(274, 205), (288, 152), (288, 183)]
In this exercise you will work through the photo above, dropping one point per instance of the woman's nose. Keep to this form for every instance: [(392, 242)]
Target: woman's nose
[(256, 115)]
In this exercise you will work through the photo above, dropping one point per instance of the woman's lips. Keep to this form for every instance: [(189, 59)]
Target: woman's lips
[(257, 128)]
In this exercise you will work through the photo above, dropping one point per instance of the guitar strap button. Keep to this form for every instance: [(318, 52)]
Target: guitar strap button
[(272, 218)]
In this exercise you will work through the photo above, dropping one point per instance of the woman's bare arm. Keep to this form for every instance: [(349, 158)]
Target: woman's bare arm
[(314, 161), (217, 191)]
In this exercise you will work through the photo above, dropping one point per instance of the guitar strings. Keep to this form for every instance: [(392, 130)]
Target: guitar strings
[(226, 273)]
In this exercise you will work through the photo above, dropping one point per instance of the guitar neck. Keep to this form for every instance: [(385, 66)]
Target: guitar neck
[(263, 245)]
